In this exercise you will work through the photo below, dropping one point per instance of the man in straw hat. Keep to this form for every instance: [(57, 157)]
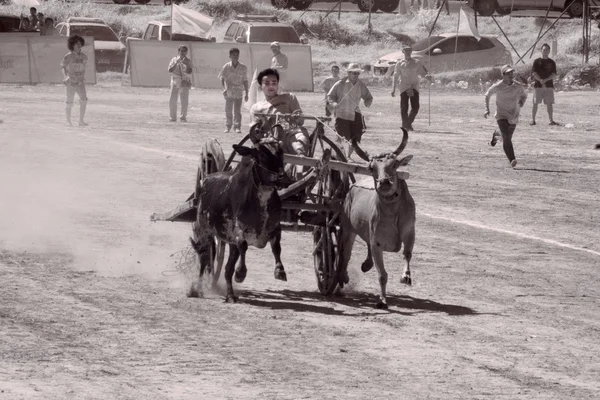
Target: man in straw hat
[(510, 97), (344, 97), (407, 71)]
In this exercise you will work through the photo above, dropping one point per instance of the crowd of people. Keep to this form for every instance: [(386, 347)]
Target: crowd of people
[(342, 95), (37, 22)]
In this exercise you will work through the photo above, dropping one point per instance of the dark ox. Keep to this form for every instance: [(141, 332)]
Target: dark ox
[(384, 217), (242, 207)]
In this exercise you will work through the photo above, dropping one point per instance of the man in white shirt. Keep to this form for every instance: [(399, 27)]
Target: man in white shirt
[(407, 71), (234, 79), (344, 97), (510, 97)]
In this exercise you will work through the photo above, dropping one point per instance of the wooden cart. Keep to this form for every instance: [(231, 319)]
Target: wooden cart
[(312, 203)]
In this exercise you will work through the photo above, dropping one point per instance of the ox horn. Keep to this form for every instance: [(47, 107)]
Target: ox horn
[(360, 152), (404, 142)]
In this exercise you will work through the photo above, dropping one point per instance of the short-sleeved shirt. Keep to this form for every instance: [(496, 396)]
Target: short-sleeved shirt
[(328, 83), (181, 73), (544, 67), (507, 100), (280, 61), (284, 103), (347, 95), (234, 78), (75, 65), (408, 71)]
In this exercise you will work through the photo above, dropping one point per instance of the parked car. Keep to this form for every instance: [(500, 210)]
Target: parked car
[(160, 30), (363, 5), (503, 7), (9, 23), (260, 29), (127, 1), (110, 52), (471, 53)]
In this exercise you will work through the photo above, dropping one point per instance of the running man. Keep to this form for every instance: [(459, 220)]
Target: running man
[(510, 97)]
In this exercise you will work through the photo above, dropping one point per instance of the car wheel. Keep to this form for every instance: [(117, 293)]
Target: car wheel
[(121, 1), (486, 7), (281, 3), (387, 6), (576, 9), (142, 1), (302, 4), (365, 5)]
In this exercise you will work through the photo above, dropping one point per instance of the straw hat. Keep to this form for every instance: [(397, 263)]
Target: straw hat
[(354, 67)]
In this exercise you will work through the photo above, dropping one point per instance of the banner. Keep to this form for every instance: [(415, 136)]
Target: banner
[(36, 59), (189, 22), (208, 59), (466, 23)]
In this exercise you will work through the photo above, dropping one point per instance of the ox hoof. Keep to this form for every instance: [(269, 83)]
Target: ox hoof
[(231, 299), (194, 292), (344, 278), (240, 275), (366, 266), (381, 305), (280, 274), (407, 280)]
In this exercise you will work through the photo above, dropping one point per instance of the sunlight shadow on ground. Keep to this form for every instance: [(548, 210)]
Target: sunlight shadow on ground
[(297, 301), (542, 170)]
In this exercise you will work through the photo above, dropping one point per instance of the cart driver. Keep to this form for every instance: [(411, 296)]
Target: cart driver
[(295, 139)]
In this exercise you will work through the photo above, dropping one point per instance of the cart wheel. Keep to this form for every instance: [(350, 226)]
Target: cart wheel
[(211, 160), (330, 191)]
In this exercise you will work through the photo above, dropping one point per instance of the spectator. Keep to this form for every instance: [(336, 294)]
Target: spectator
[(280, 63), (234, 79), (328, 83), (407, 71), (543, 71), (48, 28), (73, 68), (33, 19), (40, 21), (24, 25), (180, 68), (510, 97), (344, 97)]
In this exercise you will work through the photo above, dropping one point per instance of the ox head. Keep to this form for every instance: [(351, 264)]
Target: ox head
[(383, 166), (266, 158)]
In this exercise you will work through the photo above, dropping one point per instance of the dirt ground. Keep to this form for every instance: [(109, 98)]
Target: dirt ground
[(505, 301)]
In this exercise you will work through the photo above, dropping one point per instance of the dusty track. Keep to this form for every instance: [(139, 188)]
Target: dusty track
[(506, 264)]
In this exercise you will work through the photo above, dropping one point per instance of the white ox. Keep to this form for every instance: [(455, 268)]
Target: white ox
[(384, 217)]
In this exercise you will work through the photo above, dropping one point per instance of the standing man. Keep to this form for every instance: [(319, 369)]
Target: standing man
[(543, 71), (279, 62), (234, 80), (180, 68), (73, 69), (328, 83), (510, 97), (344, 97), (33, 18), (407, 71)]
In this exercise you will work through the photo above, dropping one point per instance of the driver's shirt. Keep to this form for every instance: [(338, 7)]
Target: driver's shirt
[(284, 103)]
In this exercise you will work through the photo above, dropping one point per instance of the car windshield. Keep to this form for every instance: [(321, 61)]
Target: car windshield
[(425, 43), (268, 34), (103, 33)]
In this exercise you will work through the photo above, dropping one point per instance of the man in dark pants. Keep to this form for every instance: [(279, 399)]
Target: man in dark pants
[(543, 71), (510, 97), (407, 71)]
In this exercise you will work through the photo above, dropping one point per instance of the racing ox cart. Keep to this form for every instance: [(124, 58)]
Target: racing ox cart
[(311, 191)]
